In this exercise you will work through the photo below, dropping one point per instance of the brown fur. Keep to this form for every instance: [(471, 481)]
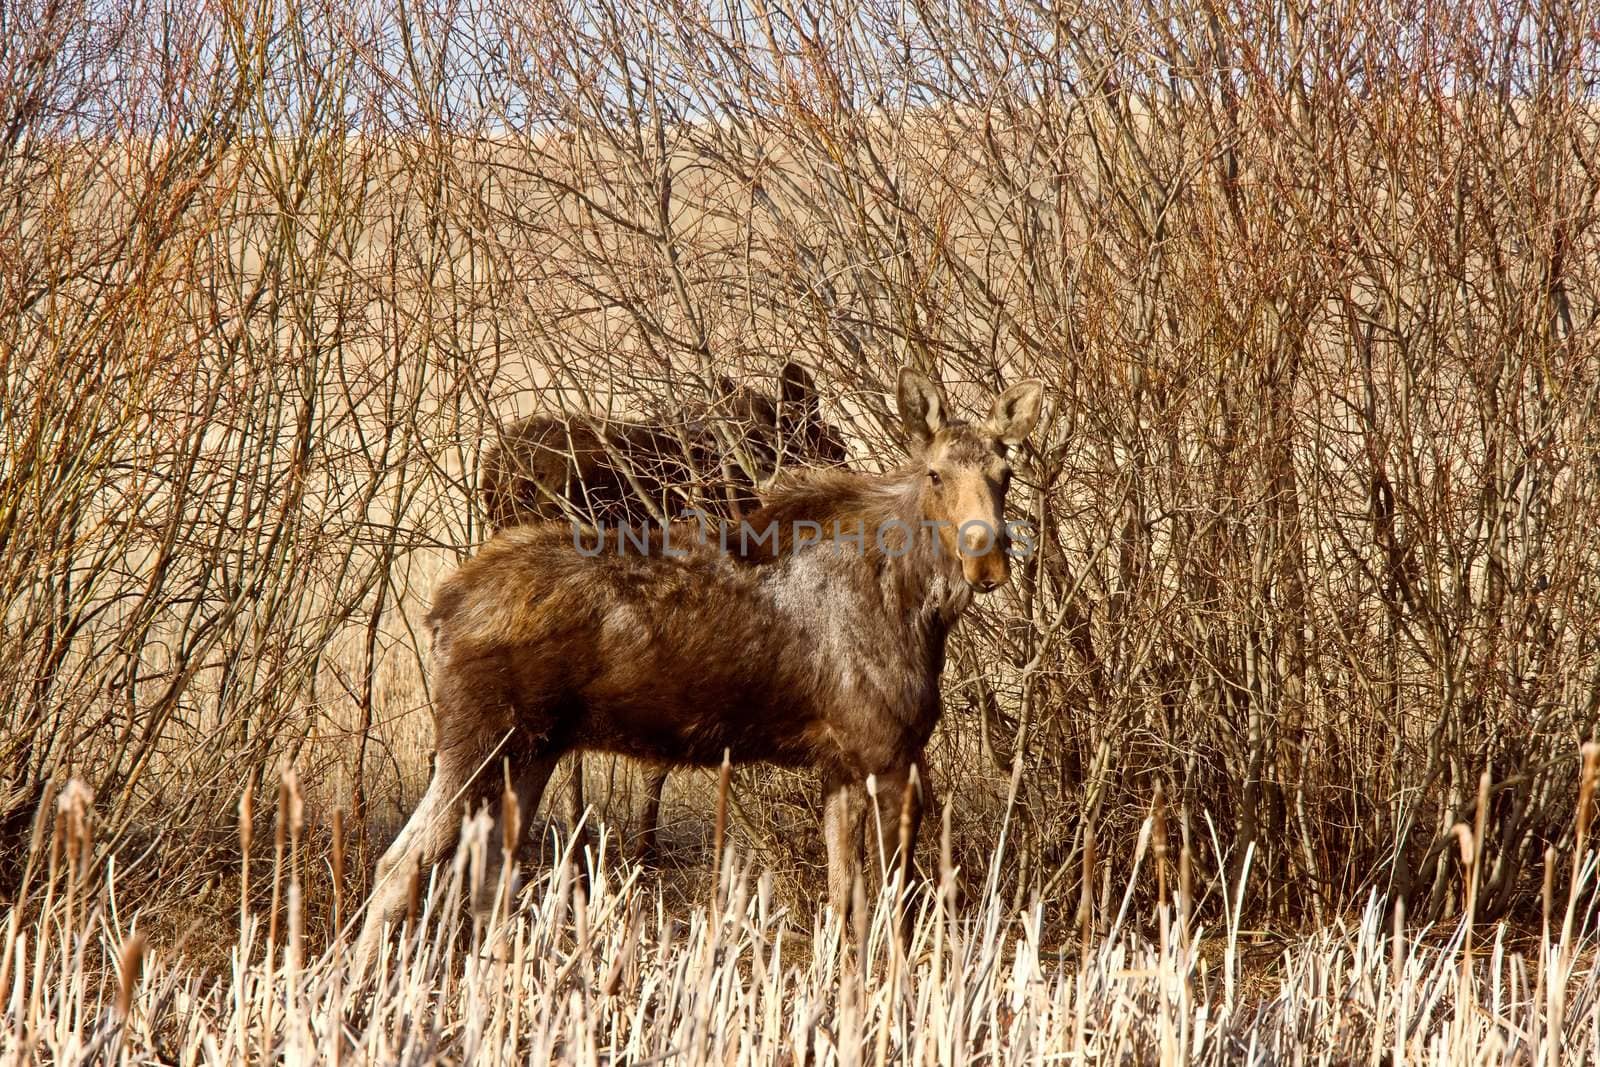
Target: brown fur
[(632, 473), (826, 658), (551, 467)]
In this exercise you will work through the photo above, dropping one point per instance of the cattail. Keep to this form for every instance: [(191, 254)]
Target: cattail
[(908, 811), (280, 829), (1397, 972), (297, 819), (1558, 982), (1469, 877), (128, 973), (247, 818), (1548, 889), (720, 828), (510, 821), (1586, 784), (1463, 835), (1547, 892), (294, 953), (77, 801), (297, 823), (413, 896), (1586, 781), (1158, 839), (338, 872), (1185, 875), (297, 813), (76, 805), (1086, 895), (510, 836), (1397, 943), (280, 833)]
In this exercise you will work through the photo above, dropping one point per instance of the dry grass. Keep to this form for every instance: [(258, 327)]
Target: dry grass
[(608, 973)]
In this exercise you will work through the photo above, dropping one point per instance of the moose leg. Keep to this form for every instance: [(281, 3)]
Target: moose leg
[(655, 783), (573, 801), (528, 786), (427, 835), (436, 825), (896, 821), (844, 805), (899, 817), (925, 794)]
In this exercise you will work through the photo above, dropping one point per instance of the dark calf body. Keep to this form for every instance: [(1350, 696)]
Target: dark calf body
[(826, 657), (547, 467), (550, 467)]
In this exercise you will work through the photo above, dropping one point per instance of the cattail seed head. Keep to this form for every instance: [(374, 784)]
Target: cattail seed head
[(281, 828), (247, 816), (338, 844), (295, 807), (76, 803), (131, 960), (1158, 830), (510, 820), (1463, 834)]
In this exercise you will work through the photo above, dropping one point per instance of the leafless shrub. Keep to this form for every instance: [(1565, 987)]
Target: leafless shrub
[(1315, 296)]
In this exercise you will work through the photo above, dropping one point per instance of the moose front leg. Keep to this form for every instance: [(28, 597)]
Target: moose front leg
[(894, 810), (844, 806), (425, 839), (900, 800)]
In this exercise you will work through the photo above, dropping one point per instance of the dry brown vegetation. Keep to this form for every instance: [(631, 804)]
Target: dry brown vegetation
[(1314, 293), (604, 973)]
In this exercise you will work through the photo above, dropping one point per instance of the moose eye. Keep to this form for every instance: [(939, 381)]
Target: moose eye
[(933, 477)]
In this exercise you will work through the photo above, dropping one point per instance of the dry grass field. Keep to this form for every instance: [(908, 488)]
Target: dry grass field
[(615, 972), (1271, 753)]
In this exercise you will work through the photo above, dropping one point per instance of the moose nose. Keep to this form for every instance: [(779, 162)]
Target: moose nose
[(987, 585)]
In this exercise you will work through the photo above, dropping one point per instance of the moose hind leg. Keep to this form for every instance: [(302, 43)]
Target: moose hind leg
[(575, 805), (423, 841), (655, 783), (900, 802), (527, 784)]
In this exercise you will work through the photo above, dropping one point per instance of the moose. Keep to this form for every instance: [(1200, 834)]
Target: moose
[(828, 657), (623, 470), (627, 472)]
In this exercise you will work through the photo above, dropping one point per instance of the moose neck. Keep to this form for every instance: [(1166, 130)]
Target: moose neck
[(923, 578), (920, 581)]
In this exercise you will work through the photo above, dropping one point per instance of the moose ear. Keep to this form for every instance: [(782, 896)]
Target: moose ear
[(921, 409), (1015, 411), (726, 387), (799, 391)]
